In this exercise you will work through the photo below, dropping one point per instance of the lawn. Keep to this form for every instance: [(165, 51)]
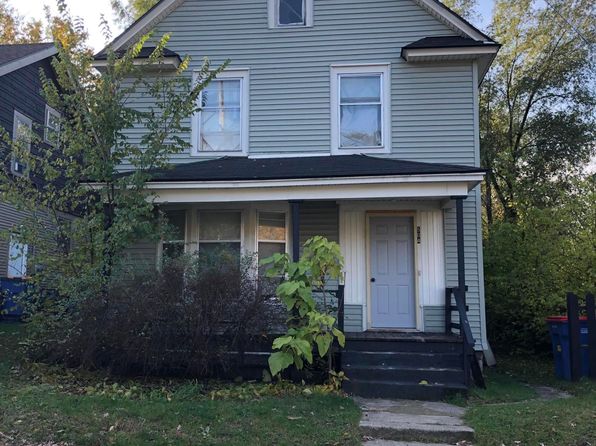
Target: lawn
[(509, 413), (40, 404)]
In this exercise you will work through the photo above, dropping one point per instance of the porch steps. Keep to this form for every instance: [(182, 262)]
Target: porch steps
[(411, 366)]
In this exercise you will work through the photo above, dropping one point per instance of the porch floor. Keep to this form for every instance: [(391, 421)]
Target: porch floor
[(401, 336)]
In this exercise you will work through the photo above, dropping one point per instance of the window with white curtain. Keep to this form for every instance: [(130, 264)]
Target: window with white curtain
[(220, 230), (221, 127), (290, 13), (17, 258), (360, 109)]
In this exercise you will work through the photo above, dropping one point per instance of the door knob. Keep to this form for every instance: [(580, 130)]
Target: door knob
[(372, 279)]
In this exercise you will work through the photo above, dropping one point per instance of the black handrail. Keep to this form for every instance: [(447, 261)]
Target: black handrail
[(470, 364)]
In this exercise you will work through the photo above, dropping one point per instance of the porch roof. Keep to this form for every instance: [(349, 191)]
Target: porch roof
[(246, 169)]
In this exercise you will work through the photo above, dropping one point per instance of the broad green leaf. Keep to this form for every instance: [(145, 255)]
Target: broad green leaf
[(278, 343), (341, 338), (323, 343), (279, 361)]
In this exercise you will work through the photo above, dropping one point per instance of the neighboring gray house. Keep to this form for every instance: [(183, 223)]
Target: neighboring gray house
[(22, 109), (353, 119)]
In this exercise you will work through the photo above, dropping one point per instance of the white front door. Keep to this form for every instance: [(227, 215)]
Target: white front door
[(393, 299)]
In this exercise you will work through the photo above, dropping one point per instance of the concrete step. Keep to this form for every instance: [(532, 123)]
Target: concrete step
[(410, 423), (406, 427)]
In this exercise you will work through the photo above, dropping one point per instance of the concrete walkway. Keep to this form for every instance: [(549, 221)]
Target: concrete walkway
[(412, 423)]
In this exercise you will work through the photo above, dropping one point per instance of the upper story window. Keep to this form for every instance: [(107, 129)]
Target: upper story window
[(52, 126), (21, 135), (290, 13), (360, 109), (221, 127)]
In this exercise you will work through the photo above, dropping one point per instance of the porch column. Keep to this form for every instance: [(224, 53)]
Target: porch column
[(461, 266), (295, 207)]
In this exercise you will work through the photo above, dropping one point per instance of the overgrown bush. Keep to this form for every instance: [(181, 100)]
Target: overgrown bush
[(531, 265), (184, 319)]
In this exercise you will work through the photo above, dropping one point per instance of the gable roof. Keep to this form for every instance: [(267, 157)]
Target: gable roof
[(164, 7), (290, 168), (13, 57)]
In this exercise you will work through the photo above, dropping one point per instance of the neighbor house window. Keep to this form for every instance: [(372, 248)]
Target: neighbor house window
[(21, 135), (17, 258), (173, 245), (271, 234), (220, 230), (221, 127), (52, 126), (290, 13), (360, 109)]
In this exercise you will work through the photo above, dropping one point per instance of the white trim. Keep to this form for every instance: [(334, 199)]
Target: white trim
[(146, 22), (426, 54), (273, 16), (50, 111), (27, 60), (18, 116), (243, 75), (451, 19), (384, 71)]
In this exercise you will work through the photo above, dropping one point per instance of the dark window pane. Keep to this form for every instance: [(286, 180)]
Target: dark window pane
[(177, 221), (173, 250), (291, 12), (216, 248)]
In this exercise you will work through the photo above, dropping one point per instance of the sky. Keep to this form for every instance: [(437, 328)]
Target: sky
[(91, 10)]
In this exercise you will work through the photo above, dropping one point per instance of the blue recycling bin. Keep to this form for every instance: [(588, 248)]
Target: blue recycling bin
[(559, 333), (9, 290)]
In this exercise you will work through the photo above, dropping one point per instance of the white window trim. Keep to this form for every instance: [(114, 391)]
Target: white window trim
[(244, 77), (208, 210), (383, 69), (273, 14), (18, 116), (22, 258), (50, 111)]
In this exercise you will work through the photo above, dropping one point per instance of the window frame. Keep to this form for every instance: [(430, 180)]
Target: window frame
[(243, 75), (355, 70), (23, 258), (18, 116), (286, 235), (49, 112), (219, 211), (273, 16)]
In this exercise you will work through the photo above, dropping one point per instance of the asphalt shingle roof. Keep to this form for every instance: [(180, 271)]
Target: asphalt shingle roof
[(143, 54), (446, 42), (10, 53), (242, 168)]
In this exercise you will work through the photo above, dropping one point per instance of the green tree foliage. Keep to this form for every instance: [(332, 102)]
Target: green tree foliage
[(531, 265), (80, 174), (320, 262), (14, 28), (537, 104), (127, 14)]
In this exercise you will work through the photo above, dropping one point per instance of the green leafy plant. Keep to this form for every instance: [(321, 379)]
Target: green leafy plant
[(308, 327)]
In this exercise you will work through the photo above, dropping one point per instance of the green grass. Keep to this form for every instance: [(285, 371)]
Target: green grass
[(508, 412), (38, 404)]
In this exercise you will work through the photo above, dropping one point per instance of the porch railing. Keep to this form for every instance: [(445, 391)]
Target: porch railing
[(470, 364)]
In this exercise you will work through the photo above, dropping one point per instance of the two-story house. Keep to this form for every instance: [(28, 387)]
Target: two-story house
[(23, 112), (352, 119)]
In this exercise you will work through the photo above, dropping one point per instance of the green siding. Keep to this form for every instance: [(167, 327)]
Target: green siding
[(434, 319), (432, 104)]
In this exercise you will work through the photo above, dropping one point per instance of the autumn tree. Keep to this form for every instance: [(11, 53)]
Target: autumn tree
[(15, 29)]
